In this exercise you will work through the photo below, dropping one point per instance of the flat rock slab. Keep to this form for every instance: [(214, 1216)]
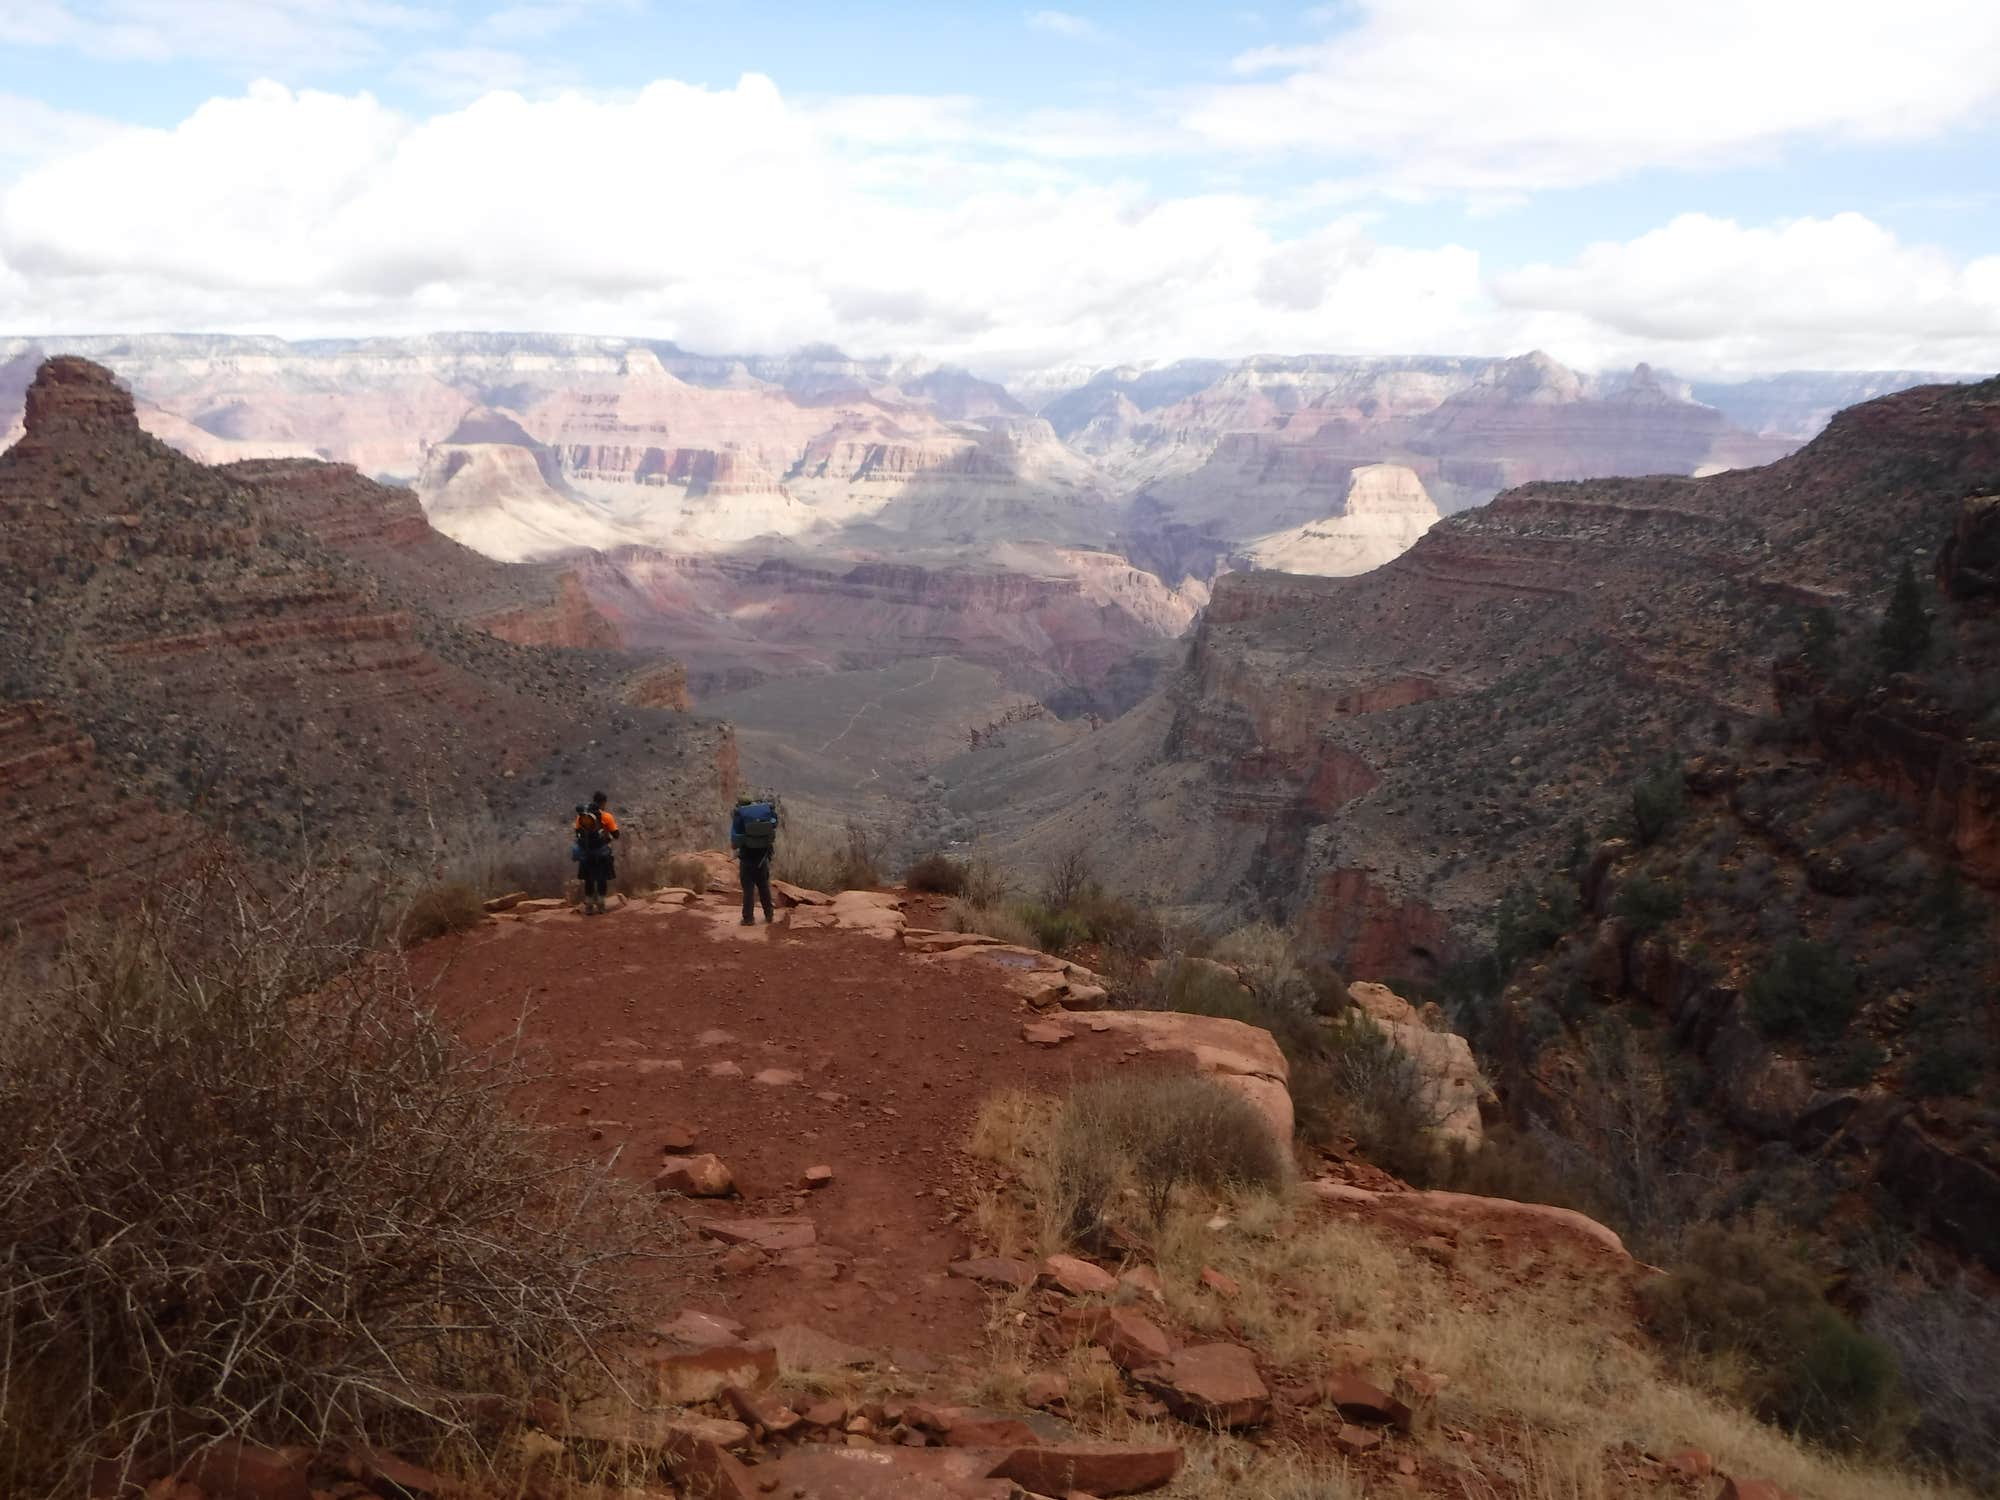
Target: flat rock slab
[(929, 940), (1214, 1385), (704, 1374), (763, 1234), (803, 1348), (787, 894), (1093, 1468), (996, 1270), (872, 1474)]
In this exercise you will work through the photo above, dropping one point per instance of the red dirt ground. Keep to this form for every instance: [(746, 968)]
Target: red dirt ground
[(895, 1056)]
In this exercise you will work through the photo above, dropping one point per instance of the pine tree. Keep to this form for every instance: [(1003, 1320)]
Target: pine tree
[(1906, 629)]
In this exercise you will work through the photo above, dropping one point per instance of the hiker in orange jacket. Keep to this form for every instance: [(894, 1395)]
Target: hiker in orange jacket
[(596, 830)]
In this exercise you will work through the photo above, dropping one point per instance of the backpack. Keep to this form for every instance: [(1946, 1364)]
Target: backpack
[(760, 828), (590, 837)]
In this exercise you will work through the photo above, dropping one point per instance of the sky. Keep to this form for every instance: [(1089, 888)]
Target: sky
[(1719, 187)]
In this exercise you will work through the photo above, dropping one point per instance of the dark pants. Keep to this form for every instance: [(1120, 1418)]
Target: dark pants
[(753, 872), (597, 872)]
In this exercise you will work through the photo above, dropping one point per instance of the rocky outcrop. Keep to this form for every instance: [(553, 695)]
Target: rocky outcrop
[(218, 658), (571, 620), (1969, 563), (1451, 1089)]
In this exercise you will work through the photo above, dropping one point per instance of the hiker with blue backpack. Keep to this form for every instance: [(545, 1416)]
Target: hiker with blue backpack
[(753, 834)]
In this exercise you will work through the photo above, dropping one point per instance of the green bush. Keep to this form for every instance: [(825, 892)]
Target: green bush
[(1657, 803), (1531, 920), (1806, 989), (1647, 904), (1945, 1064), (1746, 1310), (1055, 928)]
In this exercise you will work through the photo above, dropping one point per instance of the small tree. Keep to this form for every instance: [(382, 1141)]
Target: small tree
[(1821, 644), (1657, 802), (1905, 633)]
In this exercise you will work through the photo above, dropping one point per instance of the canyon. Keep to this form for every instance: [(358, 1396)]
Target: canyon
[(762, 516)]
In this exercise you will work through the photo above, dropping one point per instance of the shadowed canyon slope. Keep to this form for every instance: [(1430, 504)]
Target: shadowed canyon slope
[(277, 649), (1379, 757)]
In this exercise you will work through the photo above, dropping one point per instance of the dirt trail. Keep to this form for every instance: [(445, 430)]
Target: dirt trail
[(875, 1064)]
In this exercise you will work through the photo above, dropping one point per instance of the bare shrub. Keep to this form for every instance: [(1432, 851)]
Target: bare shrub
[(641, 865), (1264, 956), (861, 857), (1068, 876), (539, 867), (1945, 1337), (986, 884), (1359, 1083), (253, 1189), (446, 906), (686, 872), (819, 858), (937, 873), (1155, 1132)]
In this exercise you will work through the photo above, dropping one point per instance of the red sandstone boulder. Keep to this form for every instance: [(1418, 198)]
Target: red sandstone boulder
[(1078, 1277), (1097, 1468), (702, 1330), (995, 1270), (1359, 1400), (232, 1470), (1752, 1489), (1130, 1338), (763, 1234), (704, 1374), (1355, 1441), (1215, 1385), (758, 1410), (702, 1176)]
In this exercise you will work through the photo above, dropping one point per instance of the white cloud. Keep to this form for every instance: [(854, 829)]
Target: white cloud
[(32, 131), (1062, 23), (1427, 96), (736, 219), (1841, 291), (535, 20), (315, 34)]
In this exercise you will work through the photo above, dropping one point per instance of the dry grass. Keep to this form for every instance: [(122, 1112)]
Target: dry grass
[(253, 1189), (995, 921), (1551, 1370), (686, 872)]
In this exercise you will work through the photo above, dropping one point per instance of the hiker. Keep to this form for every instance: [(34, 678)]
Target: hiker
[(753, 834), (595, 864)]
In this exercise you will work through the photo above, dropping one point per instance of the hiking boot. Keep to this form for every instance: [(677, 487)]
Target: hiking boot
[(749, 922), (769, 919)]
